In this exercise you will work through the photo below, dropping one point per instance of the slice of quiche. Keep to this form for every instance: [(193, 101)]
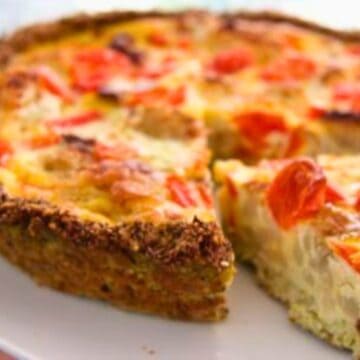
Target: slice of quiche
[(105, 197), (298, 222), (95, 207)]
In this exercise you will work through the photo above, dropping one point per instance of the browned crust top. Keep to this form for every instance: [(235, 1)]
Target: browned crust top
[(30, 35), (169, 243)]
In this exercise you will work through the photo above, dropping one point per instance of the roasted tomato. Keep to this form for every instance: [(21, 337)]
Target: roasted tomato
[(126, 180), (92, 68), (256, 126), (158, 38), (345, 103), (179, 191), (315, 112), (158, 95), (118, 151), (348, 94), (187, 193), (204, 194), (54, 83), (354, 49), (6, 151), (230, 61), (296, 141), (297, 192), (349, 251), (333, 194), (357, 202), (76, 120), (292, 68), (43, 140)]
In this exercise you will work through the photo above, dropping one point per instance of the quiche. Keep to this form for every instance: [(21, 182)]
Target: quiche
[(297, 222), (109, 125)]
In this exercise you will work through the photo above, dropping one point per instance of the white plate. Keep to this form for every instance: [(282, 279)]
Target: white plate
[(44, 324)]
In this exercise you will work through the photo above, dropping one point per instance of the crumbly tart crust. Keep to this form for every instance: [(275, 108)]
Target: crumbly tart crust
[(176, 269), (23, 38)]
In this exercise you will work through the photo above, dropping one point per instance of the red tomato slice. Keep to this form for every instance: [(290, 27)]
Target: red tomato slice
[(42, 141), (333, 195), (184, 44), (297, 192), (357, 202), (205, 195), (354, 49), (180, 191), (230, 61), (296, 141), (118, 151), (256, 126), (177, 96), (76, 120), (147, 97), (348, 93), (315, 112), (92, 68), (54, 83), (231, 187), (350, 252), (6, 151), (157, 38), (158, 95), (292, 68)]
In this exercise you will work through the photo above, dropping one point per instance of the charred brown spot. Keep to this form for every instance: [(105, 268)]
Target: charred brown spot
[(19, 80), (358, 325), (108, 94), (228, 23), (14, 86), (105, 288), (81, 144), (122, 41), (125, 44), (338, 115)]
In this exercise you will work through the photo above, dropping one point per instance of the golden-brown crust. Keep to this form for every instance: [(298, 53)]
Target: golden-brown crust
[(30, 35), (122, 278), (172, 243), (277, 17)]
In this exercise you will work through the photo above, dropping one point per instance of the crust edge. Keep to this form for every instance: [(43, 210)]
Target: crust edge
[(168, 243), (45, 31)]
